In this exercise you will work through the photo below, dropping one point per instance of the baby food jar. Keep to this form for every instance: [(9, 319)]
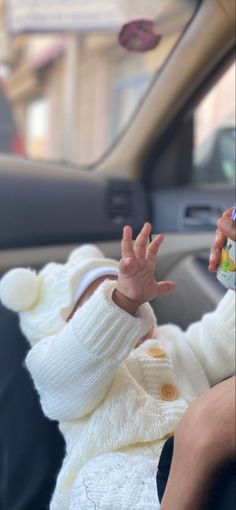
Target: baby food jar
[(226, 272)]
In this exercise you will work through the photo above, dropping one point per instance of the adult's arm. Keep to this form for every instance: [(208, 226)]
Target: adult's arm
[(204, 444)]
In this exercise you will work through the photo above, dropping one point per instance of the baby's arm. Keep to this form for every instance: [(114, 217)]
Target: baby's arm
[(213, 340), (73, 370)]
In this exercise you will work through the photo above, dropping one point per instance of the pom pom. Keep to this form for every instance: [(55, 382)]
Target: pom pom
[(85, 252), (19, 289)]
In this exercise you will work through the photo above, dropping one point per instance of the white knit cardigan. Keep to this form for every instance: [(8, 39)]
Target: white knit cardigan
[(107, 395)]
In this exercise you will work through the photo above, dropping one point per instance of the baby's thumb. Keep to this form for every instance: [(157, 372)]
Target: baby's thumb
[(166, 286)]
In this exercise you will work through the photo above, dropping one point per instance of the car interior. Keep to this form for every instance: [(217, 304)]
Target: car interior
[(161, 167), (149, 174)]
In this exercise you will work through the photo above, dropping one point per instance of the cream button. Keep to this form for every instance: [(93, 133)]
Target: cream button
[(157, 352), (168, 391)]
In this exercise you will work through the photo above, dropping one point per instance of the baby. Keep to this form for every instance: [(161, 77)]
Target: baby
[(117, 383)]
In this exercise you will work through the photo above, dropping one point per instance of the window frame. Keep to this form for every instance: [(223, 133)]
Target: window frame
[(173, 139)]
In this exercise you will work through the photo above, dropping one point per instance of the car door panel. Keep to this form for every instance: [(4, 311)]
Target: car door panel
[(189, 209), (183, 258), (188, 218)]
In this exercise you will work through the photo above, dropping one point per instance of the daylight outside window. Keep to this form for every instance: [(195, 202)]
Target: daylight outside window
[(72, 92), (214, 130)]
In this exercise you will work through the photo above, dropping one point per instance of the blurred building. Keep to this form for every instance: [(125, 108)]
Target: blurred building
[(72, 94)]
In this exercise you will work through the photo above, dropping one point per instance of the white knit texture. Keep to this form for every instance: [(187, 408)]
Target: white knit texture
[(212, 343), (107, 395), (116, 481), (57, 291)]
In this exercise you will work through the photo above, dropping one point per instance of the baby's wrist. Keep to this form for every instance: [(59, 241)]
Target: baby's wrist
[(128, 305)]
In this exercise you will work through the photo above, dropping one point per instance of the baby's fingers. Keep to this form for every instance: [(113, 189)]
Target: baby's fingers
[(126, 243), (142, 240), (227, 214), (228, 227), (216, 250), (153, 248)]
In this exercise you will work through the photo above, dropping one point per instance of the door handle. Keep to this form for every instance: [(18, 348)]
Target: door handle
[(201, 216)]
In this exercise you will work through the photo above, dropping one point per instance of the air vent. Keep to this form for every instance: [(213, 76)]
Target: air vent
[(120, 202)]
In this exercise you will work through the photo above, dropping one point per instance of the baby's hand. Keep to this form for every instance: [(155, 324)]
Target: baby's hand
[(136, 282)]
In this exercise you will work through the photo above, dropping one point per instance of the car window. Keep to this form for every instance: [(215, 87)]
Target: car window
[(73, 92), (214, 133)]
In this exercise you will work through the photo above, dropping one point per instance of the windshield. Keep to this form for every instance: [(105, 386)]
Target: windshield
[(74, 75)]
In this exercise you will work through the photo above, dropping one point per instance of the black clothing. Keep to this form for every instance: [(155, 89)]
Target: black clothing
[(31, 446)]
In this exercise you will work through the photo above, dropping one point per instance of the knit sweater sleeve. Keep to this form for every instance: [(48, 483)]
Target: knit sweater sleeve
[(213, 340), (72, 371)]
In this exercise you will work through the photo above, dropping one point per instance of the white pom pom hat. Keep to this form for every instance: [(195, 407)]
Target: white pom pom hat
[(45, 300)]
